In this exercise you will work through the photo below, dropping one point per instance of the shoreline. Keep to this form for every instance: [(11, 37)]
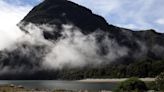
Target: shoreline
[(115, 80)]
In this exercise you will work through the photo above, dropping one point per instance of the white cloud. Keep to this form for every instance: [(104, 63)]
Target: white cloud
[(140, 14), (160, 21), (10, 15)]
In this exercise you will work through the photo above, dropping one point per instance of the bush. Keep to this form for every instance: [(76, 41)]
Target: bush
[(131, 85), (160, 81), (152, 86)]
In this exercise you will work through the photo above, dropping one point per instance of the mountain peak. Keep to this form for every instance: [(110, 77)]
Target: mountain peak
[(56, 0), (60, 12)]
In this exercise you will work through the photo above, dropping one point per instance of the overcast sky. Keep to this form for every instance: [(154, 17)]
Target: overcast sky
[(135, 14), (138, 14)]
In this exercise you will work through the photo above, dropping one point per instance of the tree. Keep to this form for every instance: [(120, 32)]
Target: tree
[(132, 85), (160, 81)]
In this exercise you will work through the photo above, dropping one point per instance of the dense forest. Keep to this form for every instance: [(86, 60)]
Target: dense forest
[(142, 69)]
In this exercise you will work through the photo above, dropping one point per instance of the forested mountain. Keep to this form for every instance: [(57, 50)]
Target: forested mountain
[(74, 43)]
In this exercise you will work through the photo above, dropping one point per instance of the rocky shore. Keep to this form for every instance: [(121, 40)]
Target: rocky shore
[(20, 88)]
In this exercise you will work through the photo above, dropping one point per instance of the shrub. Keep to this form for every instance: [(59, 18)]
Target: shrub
[(152, 85), (160, 81), (131, 85)]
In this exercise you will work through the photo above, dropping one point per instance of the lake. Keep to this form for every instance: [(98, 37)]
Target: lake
[(69, 85)]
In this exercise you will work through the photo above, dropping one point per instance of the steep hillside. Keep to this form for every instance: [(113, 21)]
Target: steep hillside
[(67, 41)]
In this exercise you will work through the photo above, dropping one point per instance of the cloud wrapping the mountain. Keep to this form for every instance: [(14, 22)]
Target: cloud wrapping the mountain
[(73, 48), (130, 14), (32, 52)]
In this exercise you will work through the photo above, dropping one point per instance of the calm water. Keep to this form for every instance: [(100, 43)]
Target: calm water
[(70, 85)]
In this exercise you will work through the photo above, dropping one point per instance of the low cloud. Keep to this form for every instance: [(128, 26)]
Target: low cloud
[(10, 15), (73, 49)]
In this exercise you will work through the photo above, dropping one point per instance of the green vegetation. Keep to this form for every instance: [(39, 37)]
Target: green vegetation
[(158, 84), (62, 90), (132, 85), (160, 81), (141, 69), (152, 85)]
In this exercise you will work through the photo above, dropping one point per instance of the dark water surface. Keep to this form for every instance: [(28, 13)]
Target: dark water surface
[(70, 85)]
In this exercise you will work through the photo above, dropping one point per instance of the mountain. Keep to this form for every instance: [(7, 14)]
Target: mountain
[(120, 52), (59, 12)]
